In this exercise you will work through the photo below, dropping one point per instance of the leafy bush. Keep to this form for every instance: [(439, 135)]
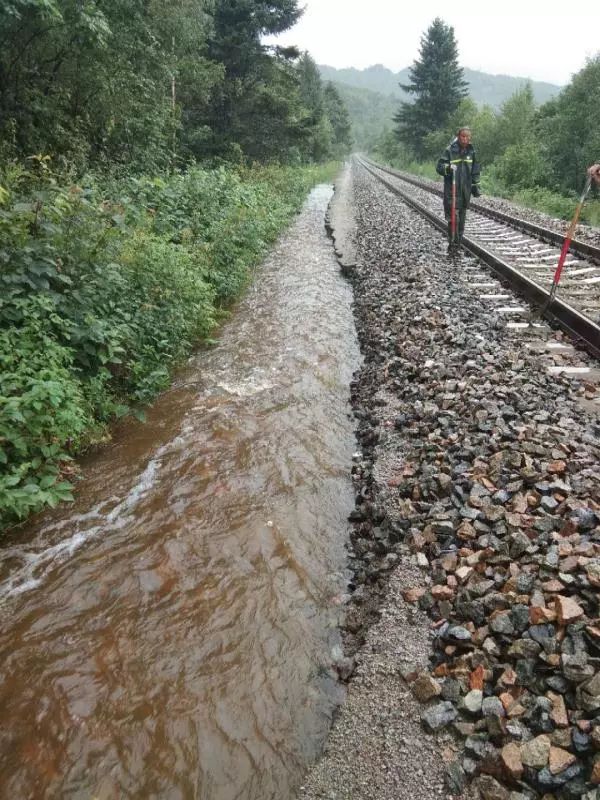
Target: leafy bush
[(43, 413), (168, 308), (521, 166)]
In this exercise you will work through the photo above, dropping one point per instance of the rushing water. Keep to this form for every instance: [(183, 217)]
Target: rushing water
[(170, 635)]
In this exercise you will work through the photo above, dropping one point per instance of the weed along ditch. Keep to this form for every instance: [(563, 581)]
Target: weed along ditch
[(173, 634)]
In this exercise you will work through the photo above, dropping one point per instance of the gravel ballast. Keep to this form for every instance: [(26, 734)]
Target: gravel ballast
[(476, 541)]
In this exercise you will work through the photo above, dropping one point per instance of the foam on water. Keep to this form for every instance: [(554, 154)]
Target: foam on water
[(35, 564)]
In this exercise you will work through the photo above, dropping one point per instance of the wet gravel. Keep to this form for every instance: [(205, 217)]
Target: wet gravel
[(378, 748), (475, 545)]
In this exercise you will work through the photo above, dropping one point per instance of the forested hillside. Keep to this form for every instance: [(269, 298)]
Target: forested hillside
[(484, 89), (373, 95), (149, 153), (370, 113)]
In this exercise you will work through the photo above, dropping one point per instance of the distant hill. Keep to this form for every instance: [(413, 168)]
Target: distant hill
[(484, 88), (370, 112)]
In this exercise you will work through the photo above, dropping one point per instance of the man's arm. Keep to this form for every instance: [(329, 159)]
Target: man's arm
[(443, 165), (475, 176)]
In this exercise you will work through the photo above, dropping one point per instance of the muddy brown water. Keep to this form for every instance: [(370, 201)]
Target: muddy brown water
[(171, 634)]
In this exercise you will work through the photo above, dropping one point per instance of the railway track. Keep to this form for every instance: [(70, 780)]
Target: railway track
[(524, 256)]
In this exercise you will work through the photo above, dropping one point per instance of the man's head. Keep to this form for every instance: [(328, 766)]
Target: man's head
[(464, 136)]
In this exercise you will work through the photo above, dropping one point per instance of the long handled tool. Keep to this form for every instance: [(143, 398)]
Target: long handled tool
[(453, 209), (567, 242)]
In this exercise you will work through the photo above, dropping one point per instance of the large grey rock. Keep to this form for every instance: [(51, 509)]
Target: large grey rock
[(492, 707), (536, 752), (439, 716), (472, 701)]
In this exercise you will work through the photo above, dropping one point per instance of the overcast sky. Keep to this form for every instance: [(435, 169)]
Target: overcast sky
[(526, 38)]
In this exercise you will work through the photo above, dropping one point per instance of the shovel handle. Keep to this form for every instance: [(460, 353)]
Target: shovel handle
[(570, 234), (453, 210), (569, 239)]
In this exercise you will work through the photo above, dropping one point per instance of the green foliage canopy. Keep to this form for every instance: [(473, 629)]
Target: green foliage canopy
[(144, 86)]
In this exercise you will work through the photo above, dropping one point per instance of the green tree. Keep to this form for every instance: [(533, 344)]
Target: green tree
[(518, 157), (485, 130), (483, 123), (521, 166), (339, 119), (92, 82), (312, 97), (569, 128), (465, 114), (437, 82), (516, 121), (270, 123), (236, 43), (142, 86)]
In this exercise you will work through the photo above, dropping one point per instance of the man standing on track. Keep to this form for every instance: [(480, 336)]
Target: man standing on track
[(459, 164)]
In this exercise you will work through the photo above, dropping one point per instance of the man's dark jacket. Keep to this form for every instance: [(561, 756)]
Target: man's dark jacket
[(467, 174)]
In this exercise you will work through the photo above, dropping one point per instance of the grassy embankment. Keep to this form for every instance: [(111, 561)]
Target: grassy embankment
[(104, 288)]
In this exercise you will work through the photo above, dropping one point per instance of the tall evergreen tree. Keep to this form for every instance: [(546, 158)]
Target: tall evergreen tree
[(339, 119), (437, 81), (239, 26), (319, 131), (236, 43), (311, 85)]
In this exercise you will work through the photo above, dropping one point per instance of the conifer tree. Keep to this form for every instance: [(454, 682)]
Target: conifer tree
[(339, 119), (437, 81), (236, 42)]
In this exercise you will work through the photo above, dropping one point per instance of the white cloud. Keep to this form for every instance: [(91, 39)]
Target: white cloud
[(510, 37)]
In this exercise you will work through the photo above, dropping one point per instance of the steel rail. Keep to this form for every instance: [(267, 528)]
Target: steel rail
[(571, 320), (545, 234)]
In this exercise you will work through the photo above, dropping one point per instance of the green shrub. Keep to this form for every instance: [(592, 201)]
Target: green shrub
[(168, 309), (557, 205), (521, 166), (43, 413)]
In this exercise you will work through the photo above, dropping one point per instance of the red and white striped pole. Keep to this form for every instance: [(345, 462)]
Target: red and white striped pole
[(453, 210), (568, 240)]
